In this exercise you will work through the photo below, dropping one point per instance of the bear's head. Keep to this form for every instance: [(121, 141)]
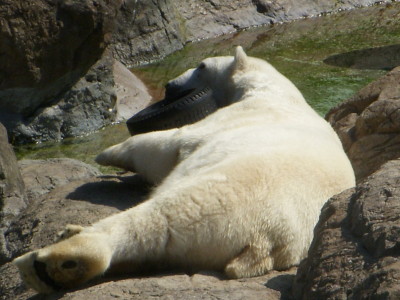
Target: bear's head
[(235, 78), (215, 73)]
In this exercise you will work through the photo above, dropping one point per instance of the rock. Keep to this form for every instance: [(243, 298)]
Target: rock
[(84, 108), (47, 46), (356, 246), (379, 58), (39, 177), (163, 286), (108, 93), (132, 94), (12, 190), (42, 176), (369, 124)]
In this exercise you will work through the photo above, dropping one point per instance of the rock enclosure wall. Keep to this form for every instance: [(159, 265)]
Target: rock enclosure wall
[(369, 124)]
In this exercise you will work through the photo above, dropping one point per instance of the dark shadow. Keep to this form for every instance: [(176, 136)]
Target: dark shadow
[(42, 297), (121, 192), (379, 58), (282, 284)]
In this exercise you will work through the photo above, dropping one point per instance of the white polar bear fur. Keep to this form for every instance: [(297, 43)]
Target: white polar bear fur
[(239, 191)]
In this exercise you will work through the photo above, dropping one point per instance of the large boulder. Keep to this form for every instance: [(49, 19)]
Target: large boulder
[(12, 190), (368, 124), (44, 175), (47, 46), (356, 246), (355, 253)]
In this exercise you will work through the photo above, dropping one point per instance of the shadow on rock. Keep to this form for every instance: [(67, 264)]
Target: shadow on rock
[(379, 58), (282, 284), (121, 192)]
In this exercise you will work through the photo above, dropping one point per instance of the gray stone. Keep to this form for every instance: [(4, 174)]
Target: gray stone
[(47, 46), (356, 246), (12, 190), (42, 176), (84, 108), (132, 94), (369, 124)]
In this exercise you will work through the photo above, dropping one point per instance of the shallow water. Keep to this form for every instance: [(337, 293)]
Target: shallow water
[(329, 58)]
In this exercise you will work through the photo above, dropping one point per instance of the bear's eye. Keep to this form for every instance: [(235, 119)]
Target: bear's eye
[(202, 66)]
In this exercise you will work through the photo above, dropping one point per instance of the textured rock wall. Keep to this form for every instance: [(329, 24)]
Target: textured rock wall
[(369, 124), (46, 47), (12, 189), (356, 247), (355, 253)]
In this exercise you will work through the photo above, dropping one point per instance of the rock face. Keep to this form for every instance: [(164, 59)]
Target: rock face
[(369, 124), (12, 189), (47, 46), (355, 253), (42, 176), (56, 79), (356, 247), (84, 108)]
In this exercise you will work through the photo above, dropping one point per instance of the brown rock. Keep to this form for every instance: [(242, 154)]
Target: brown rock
[(46, 47), (48, 42), (132, 94), (42, 176), (369, 124), (356, 246), (80, 202), (12, 190)]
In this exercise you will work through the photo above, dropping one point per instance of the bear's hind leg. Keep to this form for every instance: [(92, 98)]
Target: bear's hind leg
[(252, 261)]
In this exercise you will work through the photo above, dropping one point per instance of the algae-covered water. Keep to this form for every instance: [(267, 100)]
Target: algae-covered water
[(329, 58)]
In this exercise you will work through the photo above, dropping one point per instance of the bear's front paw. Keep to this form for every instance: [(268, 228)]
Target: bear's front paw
[(70, 230)]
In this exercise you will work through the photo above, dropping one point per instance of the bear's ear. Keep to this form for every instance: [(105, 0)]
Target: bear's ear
[(240, 58)]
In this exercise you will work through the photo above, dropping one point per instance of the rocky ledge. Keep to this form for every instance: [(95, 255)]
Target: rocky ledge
[(369, 124)]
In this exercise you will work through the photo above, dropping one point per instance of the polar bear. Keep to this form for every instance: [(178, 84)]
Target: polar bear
[(239, 191)]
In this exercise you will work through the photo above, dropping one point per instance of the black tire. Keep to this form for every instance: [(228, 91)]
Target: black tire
[(169, 113)]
